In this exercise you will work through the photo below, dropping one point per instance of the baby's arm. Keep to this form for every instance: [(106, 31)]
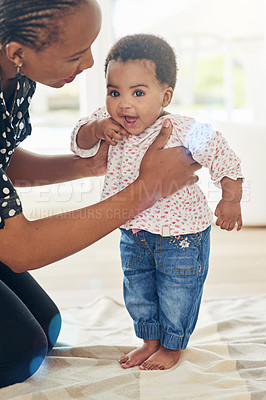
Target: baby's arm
[(210, 149), (102, 129), (228, 210)]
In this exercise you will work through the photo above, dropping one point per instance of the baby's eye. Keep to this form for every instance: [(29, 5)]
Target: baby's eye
[(138, 93), (114, 93)]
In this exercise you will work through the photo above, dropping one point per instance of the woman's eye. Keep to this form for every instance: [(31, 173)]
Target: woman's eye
[(75, 59), (114, 93), (138, 93)]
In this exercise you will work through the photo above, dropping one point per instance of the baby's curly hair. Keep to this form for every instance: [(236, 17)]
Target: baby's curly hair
[(146, 47)]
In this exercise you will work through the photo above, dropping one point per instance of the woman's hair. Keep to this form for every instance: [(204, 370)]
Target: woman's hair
[(33, 22), (146, 47)]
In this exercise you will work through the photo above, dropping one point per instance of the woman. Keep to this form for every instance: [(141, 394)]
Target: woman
[(50, 42)]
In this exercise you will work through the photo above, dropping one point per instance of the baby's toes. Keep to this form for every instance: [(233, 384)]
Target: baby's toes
[(123, 359), (144, 365), (128, 364), (155, 366)]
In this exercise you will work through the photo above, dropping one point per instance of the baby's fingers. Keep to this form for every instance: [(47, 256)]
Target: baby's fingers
[(120, 131), (125, 133), (231, 225), (119, 135), (110, 140), (225, 225), (221, 221), (239, 223), (116, 136)]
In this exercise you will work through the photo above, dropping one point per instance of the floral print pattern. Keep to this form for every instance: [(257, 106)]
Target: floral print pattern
[(187, 210)]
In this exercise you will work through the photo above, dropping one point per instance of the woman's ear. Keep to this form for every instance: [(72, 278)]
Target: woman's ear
[(168, 95), (15, 52)]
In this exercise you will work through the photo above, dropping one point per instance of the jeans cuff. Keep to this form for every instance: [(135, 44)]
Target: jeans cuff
[(148, 331), (173, 342)]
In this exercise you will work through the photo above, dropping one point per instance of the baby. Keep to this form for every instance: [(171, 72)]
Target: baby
[(165, 249)]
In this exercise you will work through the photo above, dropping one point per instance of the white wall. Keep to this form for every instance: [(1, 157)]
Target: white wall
[(92, 81), (249, 141)]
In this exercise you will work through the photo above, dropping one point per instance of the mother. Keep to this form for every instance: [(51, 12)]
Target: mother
[(49, 41)]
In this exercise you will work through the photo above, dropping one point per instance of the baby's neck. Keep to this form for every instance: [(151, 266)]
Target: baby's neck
[(163, 113)]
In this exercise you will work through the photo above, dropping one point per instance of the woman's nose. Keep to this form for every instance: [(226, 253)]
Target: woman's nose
[(87, 60)]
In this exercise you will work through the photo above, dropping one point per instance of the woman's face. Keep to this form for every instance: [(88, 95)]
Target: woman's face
[(61, 62)]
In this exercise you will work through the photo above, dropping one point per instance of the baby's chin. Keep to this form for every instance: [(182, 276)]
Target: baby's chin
[(140, 127), (136, 131)]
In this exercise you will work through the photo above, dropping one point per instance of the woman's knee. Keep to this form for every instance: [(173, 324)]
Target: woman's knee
[(54, 330), (20, 361)]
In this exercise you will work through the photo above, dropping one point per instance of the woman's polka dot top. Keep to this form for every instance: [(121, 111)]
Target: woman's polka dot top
[(13, 130)]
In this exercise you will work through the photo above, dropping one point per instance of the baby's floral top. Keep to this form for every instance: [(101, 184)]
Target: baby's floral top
[(187, 210)]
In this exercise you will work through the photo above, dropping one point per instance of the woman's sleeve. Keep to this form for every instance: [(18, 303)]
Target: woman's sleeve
[(10, 204), (210, 149)]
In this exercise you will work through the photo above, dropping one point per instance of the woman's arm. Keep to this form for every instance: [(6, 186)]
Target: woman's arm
[(30, 169), (27, 245)]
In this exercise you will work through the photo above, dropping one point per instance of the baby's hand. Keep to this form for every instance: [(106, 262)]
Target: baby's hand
[(110, 131), (229, 214)]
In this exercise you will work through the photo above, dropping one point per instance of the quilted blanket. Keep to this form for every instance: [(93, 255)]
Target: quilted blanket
[(225, 359)]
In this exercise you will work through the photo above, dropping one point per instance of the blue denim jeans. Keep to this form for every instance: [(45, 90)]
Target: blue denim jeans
[(163, 283)]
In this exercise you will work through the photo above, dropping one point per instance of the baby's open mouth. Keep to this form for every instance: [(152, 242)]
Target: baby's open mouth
[(130, 120)]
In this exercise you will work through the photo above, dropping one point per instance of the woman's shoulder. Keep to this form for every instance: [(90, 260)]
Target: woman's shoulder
[(26, 86)]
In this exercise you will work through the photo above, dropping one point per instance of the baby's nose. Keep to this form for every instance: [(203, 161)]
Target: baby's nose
[(124, 103)]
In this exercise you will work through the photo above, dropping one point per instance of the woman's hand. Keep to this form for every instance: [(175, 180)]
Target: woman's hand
[(165, 171)]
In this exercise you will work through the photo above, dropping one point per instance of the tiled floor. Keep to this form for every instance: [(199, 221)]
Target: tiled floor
[(237, 268)]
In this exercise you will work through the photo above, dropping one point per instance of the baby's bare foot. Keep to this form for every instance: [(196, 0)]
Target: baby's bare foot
[(161, 359), (136, 357)]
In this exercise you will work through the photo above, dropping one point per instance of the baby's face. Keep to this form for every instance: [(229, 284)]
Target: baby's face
[(135, 98)]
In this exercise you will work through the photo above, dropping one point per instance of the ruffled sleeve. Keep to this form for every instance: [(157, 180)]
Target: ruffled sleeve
[(10, 204), (85, 153), (210, 149)]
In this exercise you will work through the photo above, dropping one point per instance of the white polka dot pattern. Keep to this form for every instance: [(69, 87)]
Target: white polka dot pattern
[(13, 130)]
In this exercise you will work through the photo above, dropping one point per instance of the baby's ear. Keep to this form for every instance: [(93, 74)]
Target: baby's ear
[(168, 95)]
